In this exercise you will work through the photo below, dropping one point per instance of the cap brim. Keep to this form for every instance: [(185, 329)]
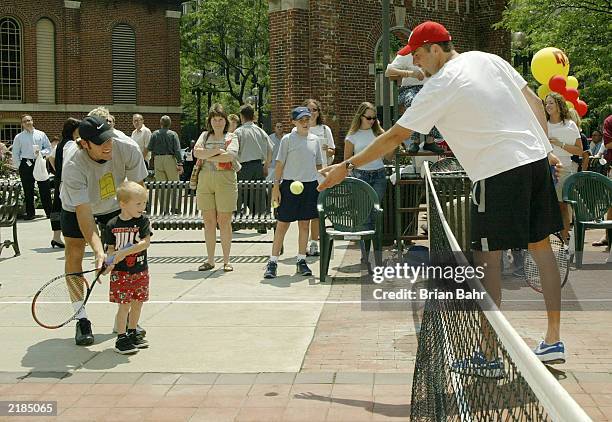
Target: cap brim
[(303, 114), (103, 137), (405, 51)]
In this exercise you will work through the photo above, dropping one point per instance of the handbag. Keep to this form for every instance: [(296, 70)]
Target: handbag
[(193, 180), (40, 169)]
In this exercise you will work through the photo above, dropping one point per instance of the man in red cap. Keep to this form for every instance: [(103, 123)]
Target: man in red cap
[(496, 126)]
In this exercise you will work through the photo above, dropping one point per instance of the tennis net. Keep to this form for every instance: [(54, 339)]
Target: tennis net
[(471, 365)]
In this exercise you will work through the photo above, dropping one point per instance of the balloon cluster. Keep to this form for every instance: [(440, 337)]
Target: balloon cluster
[(550, 67)]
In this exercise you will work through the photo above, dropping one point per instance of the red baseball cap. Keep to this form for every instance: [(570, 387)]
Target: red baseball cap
[(427, 32)]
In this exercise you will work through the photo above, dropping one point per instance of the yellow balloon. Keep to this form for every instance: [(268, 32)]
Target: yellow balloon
[(543, 91), (572, 82), (569, 105), (548, 62)]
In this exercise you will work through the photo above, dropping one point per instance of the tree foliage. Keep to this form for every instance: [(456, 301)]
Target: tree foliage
[(226, 40), (583, 30)]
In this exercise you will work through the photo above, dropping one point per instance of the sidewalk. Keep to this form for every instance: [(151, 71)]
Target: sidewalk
[(233, 346)]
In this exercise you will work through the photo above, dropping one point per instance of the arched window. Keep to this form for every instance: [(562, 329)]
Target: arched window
[(45, 61), (10, 60), (124, 64)]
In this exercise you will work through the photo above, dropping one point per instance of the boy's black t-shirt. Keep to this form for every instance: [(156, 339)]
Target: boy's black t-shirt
[(119, 233)]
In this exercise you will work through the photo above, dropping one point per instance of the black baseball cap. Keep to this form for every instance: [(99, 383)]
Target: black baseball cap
[(95, 129)]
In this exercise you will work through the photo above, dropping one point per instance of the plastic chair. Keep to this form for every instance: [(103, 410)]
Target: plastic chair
[(348, 206), (590, 195)]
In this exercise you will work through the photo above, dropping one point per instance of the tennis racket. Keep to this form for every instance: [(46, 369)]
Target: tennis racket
[(62, 298), (562, 256)]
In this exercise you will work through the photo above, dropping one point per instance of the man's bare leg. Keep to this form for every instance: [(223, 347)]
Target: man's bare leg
[(551, 285)]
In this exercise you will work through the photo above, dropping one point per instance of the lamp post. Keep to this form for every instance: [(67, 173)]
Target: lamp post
[(522, 57), (195, 79)]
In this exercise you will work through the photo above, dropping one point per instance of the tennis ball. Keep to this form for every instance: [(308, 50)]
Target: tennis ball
[(296, 187), (274, 204)]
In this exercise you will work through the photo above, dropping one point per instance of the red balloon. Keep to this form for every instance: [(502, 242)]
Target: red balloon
[(557, 84), (581, 108), (571, 95)]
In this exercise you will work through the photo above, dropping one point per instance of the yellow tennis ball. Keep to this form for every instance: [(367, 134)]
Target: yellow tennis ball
[(274, 204), (296, 187)]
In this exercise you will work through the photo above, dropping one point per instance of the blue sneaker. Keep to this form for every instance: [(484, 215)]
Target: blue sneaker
[(302, 268), (550, 354), (479, 366), (271, 270)]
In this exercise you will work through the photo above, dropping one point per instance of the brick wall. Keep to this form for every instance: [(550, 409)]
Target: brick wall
[(342, 36), (84, 61)]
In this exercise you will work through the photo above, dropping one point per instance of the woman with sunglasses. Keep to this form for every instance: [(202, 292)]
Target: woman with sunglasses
[(364, 129), (326, 141)]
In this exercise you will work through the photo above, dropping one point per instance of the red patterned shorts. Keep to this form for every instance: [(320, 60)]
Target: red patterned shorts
[(126, 287)]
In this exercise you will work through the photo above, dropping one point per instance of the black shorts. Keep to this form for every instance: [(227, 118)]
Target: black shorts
[(70, 224), (514, 208), (297, 207)]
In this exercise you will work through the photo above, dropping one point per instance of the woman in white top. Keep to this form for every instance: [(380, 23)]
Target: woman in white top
[(565, 139), (328, 148), (364, 129)]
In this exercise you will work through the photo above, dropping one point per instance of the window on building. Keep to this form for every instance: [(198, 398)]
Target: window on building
[(124, 64), (8, 131), (45, 61), (10, 60)]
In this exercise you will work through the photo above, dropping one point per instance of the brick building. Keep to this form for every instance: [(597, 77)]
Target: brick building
[(62, 58), (326, 49)]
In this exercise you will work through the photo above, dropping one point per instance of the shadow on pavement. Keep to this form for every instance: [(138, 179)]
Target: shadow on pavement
[(59, 355), (390, 410)]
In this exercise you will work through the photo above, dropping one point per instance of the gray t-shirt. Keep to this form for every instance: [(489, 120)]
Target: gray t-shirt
[(300, 156), (254, 143), (85, 181)]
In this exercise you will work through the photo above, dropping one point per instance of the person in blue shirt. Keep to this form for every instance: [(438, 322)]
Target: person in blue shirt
[(26, 146)]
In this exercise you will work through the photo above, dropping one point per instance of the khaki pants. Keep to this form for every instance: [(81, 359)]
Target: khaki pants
[(165, 168)]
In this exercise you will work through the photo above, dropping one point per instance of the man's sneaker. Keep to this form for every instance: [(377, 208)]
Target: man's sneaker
[(124, 345), (550, 354), (414, 147), (313, 249), (271, 270), (83, 336), (433, 148), (479, 366), (137, 340), (302, 268)]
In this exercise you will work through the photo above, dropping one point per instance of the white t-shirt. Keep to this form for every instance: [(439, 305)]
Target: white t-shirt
[(85, 181), (142, 138), (360, 140), (476, 103), (300, 156), (567, 132), (406, 63), (325, 137)]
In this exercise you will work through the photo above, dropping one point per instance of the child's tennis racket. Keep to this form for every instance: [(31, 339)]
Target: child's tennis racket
[(62, 298), (562, 256)]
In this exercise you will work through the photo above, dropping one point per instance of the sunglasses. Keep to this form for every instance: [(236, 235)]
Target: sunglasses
[(312, 110), (369, 118)]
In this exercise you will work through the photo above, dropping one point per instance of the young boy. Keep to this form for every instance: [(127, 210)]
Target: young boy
[(127, 236), (299, 158)]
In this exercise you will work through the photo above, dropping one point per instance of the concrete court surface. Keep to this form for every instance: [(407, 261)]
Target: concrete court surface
[(196, 321)]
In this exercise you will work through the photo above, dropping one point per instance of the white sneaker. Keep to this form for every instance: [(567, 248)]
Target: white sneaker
[(313, 249)]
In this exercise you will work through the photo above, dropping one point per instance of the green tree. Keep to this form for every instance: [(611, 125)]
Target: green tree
[(583, 30), (226, 41)]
